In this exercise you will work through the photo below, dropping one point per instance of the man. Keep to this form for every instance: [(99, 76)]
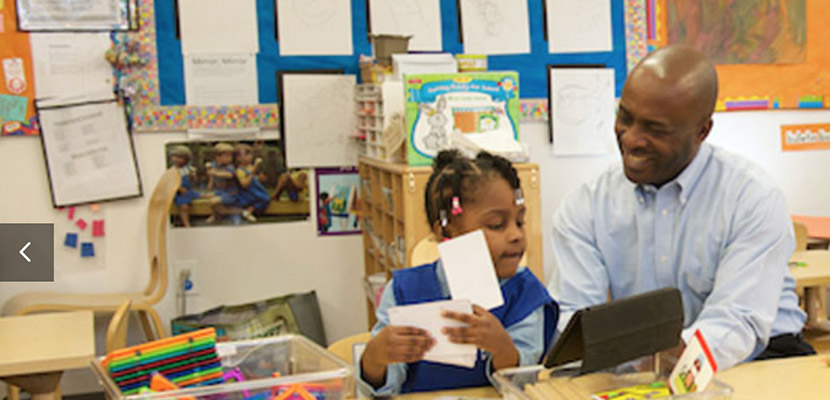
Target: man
[(682, 213)]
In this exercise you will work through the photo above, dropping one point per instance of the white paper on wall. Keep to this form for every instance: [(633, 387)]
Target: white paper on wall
[(314, 27), (582, 110), (495, 26)]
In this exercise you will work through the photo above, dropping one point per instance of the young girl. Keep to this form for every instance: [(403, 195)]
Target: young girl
[(252, 195), (181, 155), (222, 180), (461, 196)]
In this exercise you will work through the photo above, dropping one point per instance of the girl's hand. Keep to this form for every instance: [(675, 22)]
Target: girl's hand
[(398, 344), (394, 344), (486, 332)]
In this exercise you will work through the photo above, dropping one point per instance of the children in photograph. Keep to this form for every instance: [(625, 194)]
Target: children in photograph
[(295, 183), (181, 155), (464, 195), (324, 216), (222, 179), (252, 195)]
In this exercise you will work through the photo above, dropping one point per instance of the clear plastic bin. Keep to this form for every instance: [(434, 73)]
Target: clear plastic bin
[(297, 359), (537, 383)]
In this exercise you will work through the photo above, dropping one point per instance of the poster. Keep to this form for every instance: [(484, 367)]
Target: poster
[(482, 107), (338, 201), (236, 183)]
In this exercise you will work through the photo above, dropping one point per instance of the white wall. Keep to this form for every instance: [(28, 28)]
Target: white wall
[(242, 264)]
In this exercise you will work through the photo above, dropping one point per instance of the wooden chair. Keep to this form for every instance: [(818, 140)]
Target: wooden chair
[(158, 216), (800, 235), (118, 327), (343, 347)]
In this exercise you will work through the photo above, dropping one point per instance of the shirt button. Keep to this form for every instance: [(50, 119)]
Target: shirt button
[(665, 212), (663, 259), (641, 200)]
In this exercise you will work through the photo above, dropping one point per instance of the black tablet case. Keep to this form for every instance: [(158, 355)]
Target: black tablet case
[(609, 334)]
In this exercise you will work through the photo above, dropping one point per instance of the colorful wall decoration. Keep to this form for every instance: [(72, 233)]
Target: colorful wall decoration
[(18, 86), (779, 58)]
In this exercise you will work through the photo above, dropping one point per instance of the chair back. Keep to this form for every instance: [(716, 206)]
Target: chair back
[(800, 235), (343, 348), (158, 217), (117, 329)]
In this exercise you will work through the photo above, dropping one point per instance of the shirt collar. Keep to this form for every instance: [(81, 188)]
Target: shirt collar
[(686, 180)]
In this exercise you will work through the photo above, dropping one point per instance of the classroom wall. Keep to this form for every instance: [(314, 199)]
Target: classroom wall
[(243, 264)]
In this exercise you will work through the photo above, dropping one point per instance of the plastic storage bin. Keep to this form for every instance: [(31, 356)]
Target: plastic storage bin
[(536, 383), (297, 360)]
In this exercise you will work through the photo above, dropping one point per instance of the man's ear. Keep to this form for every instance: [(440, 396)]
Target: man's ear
[(705, 129)]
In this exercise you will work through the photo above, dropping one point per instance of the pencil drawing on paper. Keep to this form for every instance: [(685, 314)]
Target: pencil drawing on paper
[(577, 104), (490, 15), (338, 105), (313, 12)]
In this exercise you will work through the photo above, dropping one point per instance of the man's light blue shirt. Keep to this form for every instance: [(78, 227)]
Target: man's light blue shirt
[(527, 335), (720, 232)]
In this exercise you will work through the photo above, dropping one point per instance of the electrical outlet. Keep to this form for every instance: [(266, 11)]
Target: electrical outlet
[(186, 272)]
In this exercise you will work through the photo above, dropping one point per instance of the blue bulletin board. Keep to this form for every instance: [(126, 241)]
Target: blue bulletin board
[(532, 67)]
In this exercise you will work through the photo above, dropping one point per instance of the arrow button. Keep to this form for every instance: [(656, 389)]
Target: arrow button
[(27, 253), (24, 249)]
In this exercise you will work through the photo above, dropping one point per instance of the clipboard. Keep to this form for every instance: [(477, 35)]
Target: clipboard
[(608, 334)]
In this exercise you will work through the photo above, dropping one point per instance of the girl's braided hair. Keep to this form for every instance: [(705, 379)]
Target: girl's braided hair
[(457, 176)]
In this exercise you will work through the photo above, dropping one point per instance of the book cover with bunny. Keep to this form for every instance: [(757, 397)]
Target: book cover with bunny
[(437, 105)]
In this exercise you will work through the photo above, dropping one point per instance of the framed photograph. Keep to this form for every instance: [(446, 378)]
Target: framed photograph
[(78, 15), (89, 152), (338, 201), (236, 183)]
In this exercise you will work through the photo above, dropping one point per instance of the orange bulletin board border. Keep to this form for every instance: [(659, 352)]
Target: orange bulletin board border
[(14, 44), (805, 137), (767, 86)]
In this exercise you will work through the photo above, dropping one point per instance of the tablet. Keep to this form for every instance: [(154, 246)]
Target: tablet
[(606, 335)]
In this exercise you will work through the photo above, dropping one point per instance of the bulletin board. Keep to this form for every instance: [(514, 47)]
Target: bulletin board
[(161, 102), (802, 72), (14, 45)]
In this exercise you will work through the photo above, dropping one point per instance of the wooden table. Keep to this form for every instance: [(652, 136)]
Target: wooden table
[(813, 278), (789, 378), (36, 349), (800, 378)]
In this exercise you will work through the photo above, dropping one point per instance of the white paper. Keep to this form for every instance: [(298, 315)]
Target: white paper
[(470, 271), (582, 100), (495, 26), (579, 26), (221, 79), (76, 14), (218, 26), (419, 18), (318, 120), (69, 64), (427, 316), (89, 153), (314, 27)]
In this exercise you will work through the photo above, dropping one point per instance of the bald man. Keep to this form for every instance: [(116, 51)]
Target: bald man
[(681, 213)]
